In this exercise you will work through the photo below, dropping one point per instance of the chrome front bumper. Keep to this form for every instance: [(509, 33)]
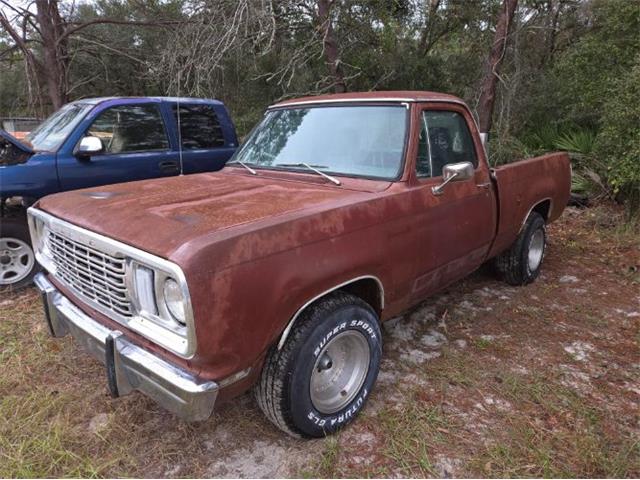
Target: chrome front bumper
[(128, 366)]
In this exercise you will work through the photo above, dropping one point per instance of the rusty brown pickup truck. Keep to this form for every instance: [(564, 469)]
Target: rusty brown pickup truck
[(338, 212)]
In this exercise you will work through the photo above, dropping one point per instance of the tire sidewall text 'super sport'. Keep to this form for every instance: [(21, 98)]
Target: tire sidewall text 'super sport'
[(346, 318)]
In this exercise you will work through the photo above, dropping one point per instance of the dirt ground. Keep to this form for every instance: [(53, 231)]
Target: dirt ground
[(482, 380)]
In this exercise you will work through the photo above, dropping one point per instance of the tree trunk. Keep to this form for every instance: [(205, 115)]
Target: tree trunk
[(488, 88), (55, 61), (425, 37), (330, 46), (556, 7)]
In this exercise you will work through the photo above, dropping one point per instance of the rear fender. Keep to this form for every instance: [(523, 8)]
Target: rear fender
[(543, 207)]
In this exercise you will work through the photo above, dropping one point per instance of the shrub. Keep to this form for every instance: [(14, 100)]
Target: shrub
[(618, 143)]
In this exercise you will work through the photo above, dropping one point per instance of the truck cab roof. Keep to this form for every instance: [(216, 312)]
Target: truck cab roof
[(99, 100), (386, 96)]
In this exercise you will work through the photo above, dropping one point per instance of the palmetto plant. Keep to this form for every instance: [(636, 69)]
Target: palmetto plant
[(579, 143), (589, 173), (588, 170), (542, 139)]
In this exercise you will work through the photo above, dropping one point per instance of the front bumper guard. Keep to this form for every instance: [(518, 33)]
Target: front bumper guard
[(128, 366)]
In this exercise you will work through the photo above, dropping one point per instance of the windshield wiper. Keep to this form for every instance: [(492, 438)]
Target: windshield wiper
[(251, 170), (313, 168)]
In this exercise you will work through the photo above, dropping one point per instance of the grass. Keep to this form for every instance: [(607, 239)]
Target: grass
[(39, 431), (482, 343), (327, 463), (454, 368), (556, 433), (37, 439), (411, 435)]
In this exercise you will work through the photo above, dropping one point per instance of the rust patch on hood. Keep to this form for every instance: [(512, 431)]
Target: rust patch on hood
[(160, 215)]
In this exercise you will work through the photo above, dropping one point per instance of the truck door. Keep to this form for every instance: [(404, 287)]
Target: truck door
[(206, 143), (455, 228), (135, 146)]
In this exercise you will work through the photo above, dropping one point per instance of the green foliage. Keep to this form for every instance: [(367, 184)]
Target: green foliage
[(13, 94), (580, 184), (543, 138), (587, 73), (587, 102), (579, 142), (619, 138), (507, 149)]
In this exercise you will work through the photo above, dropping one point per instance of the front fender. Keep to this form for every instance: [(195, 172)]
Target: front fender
[(242, 311), (34, 178)]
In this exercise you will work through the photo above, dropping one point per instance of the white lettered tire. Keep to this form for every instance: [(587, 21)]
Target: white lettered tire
[(521, 264), (321, 378)]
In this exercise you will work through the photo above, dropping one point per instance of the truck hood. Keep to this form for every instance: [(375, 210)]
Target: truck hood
[(161, 215), (23, 147)]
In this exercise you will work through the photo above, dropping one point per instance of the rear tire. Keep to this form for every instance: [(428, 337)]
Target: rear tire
[(520, 265), (321, 378), (18, 265)]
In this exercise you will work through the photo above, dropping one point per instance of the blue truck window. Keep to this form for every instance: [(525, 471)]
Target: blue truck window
[(130, 128), (199, 127), (51, 133)]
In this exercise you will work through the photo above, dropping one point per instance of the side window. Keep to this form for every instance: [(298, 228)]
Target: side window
[(199, 127), (449, 140), (130, 128)]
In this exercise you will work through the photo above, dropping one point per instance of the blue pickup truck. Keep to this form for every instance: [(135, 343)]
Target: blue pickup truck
[(102, 141)]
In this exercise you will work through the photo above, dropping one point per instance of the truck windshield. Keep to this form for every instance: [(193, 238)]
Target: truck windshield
[(54, 130), (364, 140)]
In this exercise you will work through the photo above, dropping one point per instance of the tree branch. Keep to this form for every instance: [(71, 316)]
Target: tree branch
[(20, 42), (80, 26), (111, 49), (9, 50)]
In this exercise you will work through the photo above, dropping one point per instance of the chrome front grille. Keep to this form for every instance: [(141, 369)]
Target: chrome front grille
[(94, 275)]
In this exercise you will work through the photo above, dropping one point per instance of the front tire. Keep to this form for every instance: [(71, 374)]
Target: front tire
[(321, 378), (18, 265), (520, 265)]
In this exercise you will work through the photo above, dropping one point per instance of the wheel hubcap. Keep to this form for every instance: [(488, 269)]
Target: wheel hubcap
[(339, 371), (16, 260), (536, 249)]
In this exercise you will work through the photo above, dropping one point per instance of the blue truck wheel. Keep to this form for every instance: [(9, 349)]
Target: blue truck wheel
[(18, 265)]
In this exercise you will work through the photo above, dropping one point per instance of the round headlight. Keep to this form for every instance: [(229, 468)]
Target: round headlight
[(174, 300)]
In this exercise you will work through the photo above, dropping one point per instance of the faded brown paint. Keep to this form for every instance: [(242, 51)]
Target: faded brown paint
[(524, 184), (255, 249)]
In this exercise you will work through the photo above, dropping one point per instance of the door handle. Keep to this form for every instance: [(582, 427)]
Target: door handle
[(169, 166), (484, 185)]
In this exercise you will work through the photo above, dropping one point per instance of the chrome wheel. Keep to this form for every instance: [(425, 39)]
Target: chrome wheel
[(536, 249), (16, 260), (340, 371)]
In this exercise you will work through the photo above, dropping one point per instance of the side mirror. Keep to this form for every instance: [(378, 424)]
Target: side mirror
[(89, 146), (454, 172)]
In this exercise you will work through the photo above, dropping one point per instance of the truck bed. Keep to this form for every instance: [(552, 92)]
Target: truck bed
[(542, 183)]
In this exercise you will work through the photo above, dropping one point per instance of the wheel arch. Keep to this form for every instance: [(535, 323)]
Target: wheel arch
[(368, 288), (14, 207), (543, 207)]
